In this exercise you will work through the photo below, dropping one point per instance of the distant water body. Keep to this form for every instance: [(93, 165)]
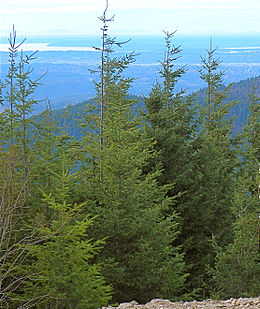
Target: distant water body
[(67, 60), (46, 47), (231, 50), (138, 43)]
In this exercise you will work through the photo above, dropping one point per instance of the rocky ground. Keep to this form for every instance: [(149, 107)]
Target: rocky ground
[(206, 304)]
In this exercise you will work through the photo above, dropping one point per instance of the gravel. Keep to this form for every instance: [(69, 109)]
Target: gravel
[(209, 304)]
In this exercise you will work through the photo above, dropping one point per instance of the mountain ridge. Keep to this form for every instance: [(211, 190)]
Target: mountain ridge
[(239, 92)]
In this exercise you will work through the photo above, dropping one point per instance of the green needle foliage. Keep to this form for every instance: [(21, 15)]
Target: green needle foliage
[(45, 252), (208, 211), (237, 266), (64, 275), (138, 258), (15, 173), (171, 121), (196, 155), (172, 124)]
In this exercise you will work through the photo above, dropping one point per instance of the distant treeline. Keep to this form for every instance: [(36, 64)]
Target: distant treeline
[(239, 92)]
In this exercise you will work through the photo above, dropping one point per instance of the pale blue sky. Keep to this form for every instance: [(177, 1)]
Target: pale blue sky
[(207, 17)]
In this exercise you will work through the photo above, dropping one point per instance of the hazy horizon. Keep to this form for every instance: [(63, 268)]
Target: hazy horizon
[(146, 17), (86, 42)]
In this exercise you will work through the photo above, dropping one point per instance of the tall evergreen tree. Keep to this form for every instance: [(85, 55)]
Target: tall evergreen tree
[(138, 258), (208, 210), (172, 124), (32, 151), (196, 155), (171, 118), (15, 175), (237, 265)]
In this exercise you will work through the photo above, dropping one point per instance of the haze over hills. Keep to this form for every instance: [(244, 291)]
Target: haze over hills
[(238, 92), (67, 61)]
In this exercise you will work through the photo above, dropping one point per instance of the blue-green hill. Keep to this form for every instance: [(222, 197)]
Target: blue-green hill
[(239, 92)]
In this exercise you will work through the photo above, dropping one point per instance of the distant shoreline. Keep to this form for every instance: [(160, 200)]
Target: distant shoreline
[(46, 47)]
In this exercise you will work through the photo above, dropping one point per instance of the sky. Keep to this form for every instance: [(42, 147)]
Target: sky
[(132, 17)]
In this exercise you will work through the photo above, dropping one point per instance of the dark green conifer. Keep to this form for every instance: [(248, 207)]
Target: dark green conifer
[(138, 258), (172, 124), (237, 265), (208, 210)]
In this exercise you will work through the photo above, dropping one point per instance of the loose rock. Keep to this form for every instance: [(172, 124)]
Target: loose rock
[(250, 303)]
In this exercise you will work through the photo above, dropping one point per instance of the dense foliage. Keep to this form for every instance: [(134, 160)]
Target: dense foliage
[(150, 202)]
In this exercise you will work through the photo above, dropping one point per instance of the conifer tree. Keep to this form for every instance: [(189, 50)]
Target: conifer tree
[(199, 164), (138, 258), (171, 117), (172, 124), (64, 276), (15, 174), (49, 142), (25, 103), (130, 209), (30, 149), (208, 210), (237, 265)]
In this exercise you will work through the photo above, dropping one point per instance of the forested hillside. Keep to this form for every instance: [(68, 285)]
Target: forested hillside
[(151, 200), (238, 92)]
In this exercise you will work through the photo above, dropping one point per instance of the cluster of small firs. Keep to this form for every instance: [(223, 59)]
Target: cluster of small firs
[(159, 202)]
